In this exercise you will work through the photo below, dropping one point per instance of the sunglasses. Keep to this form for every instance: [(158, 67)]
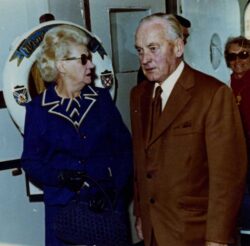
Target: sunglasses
[(241, 55), (84, 58)]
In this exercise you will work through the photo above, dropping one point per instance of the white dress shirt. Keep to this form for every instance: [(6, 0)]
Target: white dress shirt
[(168, 85)]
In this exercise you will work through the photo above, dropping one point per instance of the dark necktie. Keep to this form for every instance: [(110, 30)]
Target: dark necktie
[(156, 108)]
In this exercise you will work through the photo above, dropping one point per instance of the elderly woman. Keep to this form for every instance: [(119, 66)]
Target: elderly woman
[(73, 130), (237, 55)]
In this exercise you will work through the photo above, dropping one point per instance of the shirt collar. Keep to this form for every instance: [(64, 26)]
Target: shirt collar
[(169, 83), (171, 80)]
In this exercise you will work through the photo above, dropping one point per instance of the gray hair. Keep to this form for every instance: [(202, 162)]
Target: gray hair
[(240, 41), (172, 26), (56, 45)]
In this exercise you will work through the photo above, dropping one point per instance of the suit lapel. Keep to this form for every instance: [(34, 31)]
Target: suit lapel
[(179, 97), (145, 106)]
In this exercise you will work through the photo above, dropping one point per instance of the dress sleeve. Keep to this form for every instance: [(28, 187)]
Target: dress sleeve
[(35, 150), (122, 147)]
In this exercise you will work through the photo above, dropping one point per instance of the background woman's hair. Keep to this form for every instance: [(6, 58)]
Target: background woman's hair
[(241, 41), (55, 46)]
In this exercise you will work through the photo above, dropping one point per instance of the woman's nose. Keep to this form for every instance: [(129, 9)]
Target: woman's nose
[(90, 64)]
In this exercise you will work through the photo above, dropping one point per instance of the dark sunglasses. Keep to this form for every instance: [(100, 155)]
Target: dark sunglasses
[(84, 58), (241, 55)]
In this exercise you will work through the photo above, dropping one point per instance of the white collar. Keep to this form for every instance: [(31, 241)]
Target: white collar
[(168, 84)]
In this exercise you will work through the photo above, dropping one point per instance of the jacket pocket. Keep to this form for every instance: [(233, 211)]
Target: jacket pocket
[(193, 203), (186, 130), (194, 214)]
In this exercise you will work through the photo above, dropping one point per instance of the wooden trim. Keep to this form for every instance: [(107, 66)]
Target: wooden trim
[(36, 198), (2, 102), (10, 165), (87, 14), (33, 197), (171, 7)]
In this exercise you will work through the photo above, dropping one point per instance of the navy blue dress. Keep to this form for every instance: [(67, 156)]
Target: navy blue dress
[(86, 133)]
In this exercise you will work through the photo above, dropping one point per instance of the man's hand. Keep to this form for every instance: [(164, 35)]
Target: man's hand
[(215, 244), (138, 227)]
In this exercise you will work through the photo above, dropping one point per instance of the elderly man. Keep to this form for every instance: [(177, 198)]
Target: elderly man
[(189, 148)]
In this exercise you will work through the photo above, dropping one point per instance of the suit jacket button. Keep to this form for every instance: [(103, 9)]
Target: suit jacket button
[(152, 200), (149, 176)]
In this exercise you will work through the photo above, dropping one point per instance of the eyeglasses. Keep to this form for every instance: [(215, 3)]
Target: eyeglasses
[(241, 55), (84, 58)]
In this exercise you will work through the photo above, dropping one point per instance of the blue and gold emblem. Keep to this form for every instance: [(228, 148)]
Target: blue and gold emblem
[(20, 94), (107, 79)]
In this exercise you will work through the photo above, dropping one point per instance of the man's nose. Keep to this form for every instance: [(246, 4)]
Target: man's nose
[(146, 58)]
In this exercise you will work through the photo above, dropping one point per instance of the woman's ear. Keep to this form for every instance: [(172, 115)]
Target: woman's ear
[(60, 66), (179, 47)]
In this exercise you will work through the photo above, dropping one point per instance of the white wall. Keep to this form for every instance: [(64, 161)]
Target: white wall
[(68, 10), (208, 17), (16, 18), (21, 221)]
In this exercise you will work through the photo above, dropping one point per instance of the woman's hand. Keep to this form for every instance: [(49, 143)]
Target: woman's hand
[(72, 179)]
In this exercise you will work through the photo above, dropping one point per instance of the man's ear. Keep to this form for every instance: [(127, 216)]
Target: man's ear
[(179, 47)]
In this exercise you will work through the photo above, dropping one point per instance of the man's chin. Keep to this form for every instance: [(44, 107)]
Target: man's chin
[(151, 79)]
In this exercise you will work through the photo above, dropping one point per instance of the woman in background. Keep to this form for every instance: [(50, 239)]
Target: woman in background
[(237, 55), (72, 129)]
